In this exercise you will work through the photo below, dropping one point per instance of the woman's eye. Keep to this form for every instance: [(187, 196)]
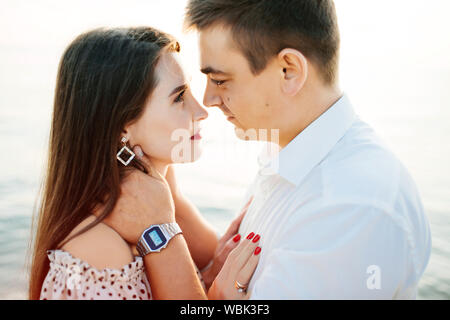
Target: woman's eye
[(179, 98)]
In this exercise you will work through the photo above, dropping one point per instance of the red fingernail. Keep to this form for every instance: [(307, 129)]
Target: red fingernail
[(257, 251), (250, 235), (237, 238), (256, 238)]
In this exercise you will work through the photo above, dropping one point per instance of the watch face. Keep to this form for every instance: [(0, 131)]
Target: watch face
[(155, 238)]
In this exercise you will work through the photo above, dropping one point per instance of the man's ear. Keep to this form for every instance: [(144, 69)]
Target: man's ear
[(294, 67)]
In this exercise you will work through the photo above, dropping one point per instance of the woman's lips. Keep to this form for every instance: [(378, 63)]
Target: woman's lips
[(196, 136)]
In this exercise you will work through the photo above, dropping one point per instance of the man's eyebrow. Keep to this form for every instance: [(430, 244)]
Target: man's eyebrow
[(209, 70), (178, 89)]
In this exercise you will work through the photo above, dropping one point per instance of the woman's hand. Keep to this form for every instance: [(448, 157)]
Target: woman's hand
[(227, 242), (144, 200), (237, 271)]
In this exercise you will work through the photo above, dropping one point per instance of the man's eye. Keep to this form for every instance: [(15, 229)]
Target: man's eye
[(180, 96), (218, 82)]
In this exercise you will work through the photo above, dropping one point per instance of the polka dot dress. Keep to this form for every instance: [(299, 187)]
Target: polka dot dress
[(70, 278)]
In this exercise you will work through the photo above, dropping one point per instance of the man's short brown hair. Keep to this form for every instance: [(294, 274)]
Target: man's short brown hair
[(262, 28)]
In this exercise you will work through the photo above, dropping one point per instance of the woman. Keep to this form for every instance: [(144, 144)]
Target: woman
[(120, 90)]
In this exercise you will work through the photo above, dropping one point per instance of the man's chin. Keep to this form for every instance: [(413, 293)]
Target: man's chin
[(265, 135), (246, 134)]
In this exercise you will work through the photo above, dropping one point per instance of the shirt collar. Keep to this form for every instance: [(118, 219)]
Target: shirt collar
[(310, 147)]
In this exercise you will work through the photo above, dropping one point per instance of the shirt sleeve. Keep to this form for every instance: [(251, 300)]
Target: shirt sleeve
[(341, 252)]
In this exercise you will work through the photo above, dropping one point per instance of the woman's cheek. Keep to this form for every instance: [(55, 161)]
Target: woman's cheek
[(168, 137), (153, 139), (181, 143)]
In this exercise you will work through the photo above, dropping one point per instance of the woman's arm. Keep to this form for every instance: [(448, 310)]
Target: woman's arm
[(172, 274), (205, 248), (200, 236), (146, 200)]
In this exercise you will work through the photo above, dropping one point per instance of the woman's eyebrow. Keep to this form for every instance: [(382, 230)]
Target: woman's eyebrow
[(178, 89)]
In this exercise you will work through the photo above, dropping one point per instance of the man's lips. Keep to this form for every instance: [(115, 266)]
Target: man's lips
[(229, 116), (225, 110)]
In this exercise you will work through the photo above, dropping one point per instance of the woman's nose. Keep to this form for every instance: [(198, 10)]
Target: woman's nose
[(200, 113)]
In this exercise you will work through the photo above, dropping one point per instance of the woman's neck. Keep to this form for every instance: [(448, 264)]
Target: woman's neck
[(160, 166)]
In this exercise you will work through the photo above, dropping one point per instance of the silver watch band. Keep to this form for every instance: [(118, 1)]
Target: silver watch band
[(141, 248), (169, 230)]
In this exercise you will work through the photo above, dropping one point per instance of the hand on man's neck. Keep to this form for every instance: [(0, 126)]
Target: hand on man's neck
[(160, 166)]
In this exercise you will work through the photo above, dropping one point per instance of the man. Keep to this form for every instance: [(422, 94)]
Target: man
[(339, 215)]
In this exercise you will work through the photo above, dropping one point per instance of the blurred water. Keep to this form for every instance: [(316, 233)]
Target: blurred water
[(394, 66)]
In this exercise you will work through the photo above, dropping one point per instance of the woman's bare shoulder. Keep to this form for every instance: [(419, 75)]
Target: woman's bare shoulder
[(101, 246)]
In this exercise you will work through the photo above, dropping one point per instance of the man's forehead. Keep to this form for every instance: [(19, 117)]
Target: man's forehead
[(216, 35), (216, 50)]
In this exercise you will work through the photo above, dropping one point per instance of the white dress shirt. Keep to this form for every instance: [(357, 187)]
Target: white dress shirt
[(339, 216)]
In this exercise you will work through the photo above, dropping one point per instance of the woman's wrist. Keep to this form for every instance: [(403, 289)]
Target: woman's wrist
[(172, 182), (172, 272), (207, 275), (213, 293)]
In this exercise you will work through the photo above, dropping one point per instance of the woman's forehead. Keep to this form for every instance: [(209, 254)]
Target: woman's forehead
[(169, 70)]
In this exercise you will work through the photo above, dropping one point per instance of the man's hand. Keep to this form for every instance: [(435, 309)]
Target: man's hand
[(226, 244), (144, 200)]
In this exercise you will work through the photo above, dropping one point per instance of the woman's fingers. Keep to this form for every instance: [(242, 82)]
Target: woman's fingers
[(248, 203), (241, 254), (141, 156), (245, 275), (245, 263), (237, 270), (244, 209), (251, 243), (227, 248), (236, 223), (233, 228), (238, 220)]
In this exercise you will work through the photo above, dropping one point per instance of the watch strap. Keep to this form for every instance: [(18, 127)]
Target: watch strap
[(169, 229), (141, 248)]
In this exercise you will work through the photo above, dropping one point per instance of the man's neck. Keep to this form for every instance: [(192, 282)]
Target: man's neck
[(313, 105)]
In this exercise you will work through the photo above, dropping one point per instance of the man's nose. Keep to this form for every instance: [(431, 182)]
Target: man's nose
[(211, 99)]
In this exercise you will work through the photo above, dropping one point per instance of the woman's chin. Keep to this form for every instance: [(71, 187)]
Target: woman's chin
[(197, 153), (188, 157)]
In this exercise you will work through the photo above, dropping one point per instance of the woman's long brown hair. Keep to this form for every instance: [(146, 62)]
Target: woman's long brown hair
[(104, 79)]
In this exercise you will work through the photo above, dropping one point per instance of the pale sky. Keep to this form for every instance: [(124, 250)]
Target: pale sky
[(394, 64)]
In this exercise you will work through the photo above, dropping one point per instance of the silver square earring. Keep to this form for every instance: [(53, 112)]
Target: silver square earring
[(125, 148)]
